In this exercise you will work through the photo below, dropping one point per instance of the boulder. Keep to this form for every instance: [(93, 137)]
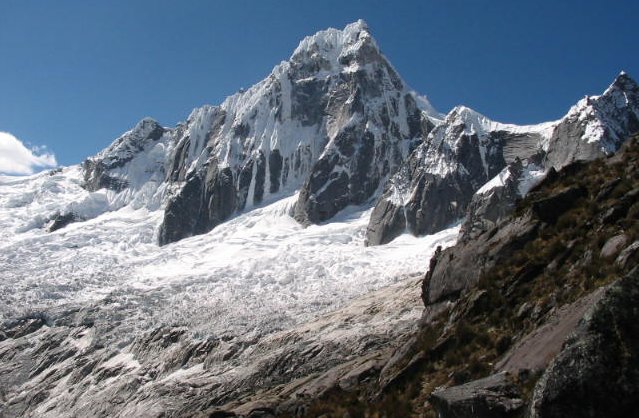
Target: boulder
[(613, 246), (627, 255), (597, 372), (59, 221), (491, 397), (549, 209)]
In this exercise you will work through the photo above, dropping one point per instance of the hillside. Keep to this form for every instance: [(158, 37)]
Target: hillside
[(544, 315)]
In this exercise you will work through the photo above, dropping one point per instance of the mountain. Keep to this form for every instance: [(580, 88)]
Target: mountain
[(436, 184), (596, 125), (220, 267), (334, 122)]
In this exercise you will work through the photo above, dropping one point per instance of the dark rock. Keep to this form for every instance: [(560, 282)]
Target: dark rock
[(491, 397), (429, 275), (388, 221), (597, 372), (628, 255), (22, 326), (275, 170), (59, 221), (96, 177), (486, 210), (613, 214), (460, 267), (200, 205), (260, 177), (549, 209), (606, 189)]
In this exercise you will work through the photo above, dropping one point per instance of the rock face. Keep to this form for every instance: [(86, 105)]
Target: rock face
[(435, 186), (60, 221), (105, 169), (497, 199), (335, 121), (597, 372), (596, 126), (458, 268)]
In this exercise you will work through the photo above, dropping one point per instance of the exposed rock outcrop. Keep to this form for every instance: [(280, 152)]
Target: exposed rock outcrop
[(491, 397), (597, 372), (460, 267)]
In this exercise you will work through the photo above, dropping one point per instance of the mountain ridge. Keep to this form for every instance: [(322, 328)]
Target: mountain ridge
[(316, 124)]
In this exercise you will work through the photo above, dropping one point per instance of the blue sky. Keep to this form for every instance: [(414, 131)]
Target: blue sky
[(74, 75)]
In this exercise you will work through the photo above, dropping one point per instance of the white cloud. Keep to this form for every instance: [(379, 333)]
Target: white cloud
[(16, 158)]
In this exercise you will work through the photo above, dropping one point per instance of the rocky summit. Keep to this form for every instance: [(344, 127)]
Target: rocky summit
[(326, 243)]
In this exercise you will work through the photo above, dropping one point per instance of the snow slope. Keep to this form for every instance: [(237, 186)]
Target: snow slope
[(259, 272)]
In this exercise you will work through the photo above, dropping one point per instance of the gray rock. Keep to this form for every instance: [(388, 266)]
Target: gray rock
[(616, 111), (534, 351), (200, 205), (486, 210), (98, 170), (387, 222), (460, 267), (491, 397), (59, 221), (597, 372), (613, 246), (627, 255)]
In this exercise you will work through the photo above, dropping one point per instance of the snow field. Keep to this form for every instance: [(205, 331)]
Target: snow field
[(257, 273)]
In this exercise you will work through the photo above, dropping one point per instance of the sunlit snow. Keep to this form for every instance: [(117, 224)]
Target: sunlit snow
[(257, 273)]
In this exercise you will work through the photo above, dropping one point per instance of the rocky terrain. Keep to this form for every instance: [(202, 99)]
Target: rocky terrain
[(535, 316), (326, 243)]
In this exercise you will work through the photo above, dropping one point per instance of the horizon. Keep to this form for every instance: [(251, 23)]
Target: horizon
[(77, 76)]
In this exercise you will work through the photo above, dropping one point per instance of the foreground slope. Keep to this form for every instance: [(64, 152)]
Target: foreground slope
[(534, 317)]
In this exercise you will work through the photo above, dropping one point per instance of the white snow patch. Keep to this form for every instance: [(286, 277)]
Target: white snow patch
[(531, 177), (498, 181)]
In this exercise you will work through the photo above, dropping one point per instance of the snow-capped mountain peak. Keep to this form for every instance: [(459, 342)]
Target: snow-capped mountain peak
[(335, 46), (333, 122), (596, 125), (131, 142)]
